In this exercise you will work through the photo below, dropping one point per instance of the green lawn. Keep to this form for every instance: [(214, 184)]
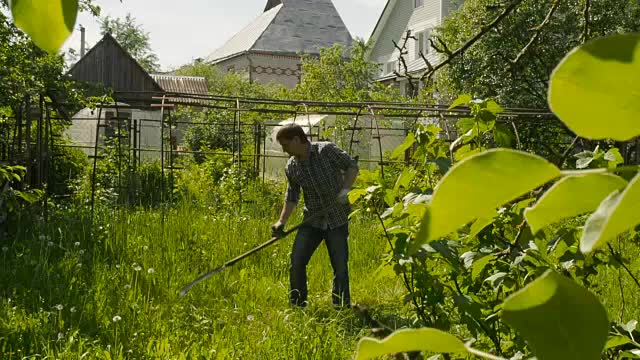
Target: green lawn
[(69, 292)]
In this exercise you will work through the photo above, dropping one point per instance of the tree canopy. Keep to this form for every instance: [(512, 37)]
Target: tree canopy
[(133, 39), (501, 64)]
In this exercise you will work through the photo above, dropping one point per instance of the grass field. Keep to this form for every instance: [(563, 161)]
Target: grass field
[(70, 292)]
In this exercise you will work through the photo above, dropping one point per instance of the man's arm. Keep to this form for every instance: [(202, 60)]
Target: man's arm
[(350, 177), (291, 198), (287, 210)]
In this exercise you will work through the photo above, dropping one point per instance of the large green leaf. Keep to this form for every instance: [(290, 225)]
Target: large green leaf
[(48, 22), (479, 184), (617, 213), (602, 71), (408, 142), (559, 319), (572, 196), (461, 100), (406, 340)]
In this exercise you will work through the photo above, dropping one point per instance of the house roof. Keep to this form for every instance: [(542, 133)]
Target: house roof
[(196, 85), (382, 20), (272, 4), (290, 27), (109, 64)]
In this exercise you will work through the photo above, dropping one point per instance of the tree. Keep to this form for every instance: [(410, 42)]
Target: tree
[(341, 74), (513, 61), (133, 39)]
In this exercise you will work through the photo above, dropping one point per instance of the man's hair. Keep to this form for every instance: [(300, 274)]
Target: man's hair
[(290, 131)]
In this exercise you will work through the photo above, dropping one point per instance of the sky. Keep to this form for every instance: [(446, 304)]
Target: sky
[(181, 31)]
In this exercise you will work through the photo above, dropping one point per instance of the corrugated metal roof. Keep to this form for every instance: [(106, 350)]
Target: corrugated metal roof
[(246, 38), (295, 26), (196, 85)]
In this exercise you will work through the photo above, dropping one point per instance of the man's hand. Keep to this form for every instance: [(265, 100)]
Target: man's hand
[(277, 230), (343, 196)]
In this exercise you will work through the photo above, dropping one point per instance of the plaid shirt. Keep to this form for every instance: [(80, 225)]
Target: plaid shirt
[(321, 178)]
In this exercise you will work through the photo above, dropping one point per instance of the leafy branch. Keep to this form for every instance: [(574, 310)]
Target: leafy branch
[(538, 30), (483, 31)]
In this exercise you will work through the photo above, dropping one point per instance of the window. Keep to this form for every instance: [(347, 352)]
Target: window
[(418, 3), (391, 66), (422, 43)]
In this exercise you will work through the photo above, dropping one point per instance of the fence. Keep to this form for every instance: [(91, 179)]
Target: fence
[(241, 129)]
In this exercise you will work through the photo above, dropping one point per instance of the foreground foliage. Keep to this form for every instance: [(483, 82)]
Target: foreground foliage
[(483, 248)]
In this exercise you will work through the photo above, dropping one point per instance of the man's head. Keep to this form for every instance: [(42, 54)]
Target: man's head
[(292, 139)]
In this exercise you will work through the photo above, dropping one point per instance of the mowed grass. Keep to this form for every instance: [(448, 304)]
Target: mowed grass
[(71, 291)]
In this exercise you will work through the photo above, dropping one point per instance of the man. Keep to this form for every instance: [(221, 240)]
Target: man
[(325, 174)]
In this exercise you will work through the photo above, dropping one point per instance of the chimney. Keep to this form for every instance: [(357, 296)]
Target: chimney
[(82, 41)]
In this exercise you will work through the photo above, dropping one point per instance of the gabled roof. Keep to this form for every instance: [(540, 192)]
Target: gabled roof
[(109, 64), (271, 4), (382, 20), (291, 27)]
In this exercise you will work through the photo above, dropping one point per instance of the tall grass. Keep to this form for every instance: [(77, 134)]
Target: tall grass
[(70, 290)]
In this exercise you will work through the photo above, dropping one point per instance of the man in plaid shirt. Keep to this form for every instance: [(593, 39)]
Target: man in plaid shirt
[(325, 174)]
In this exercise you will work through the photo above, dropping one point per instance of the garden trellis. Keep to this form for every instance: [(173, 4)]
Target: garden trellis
[(137, 130)]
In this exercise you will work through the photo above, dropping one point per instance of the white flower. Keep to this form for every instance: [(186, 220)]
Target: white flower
[(145, 247), (127, 286), (59, 307), (117, 266), (79, 265), (250, 318), (137, 268), (42, 238), (60, 336), (73, 309), (5, 249), (151, 271), (77, 243), (116, 318), (81, 251), (50, 243)]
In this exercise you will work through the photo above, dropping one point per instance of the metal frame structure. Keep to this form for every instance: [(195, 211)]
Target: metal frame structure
[(33, 147)]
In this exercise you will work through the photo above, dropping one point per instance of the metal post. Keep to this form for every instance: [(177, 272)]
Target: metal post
[(239, 150), (374, 118), (95, 161), (39, 145)]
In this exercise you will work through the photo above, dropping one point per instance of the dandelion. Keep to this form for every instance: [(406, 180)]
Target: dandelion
[(81, 251), (76, 244), (60, 336), (145, 248), (116, 318), (59, 307), (79, 265), (137, 268), (5, 249), (42, 238), (117, 266), (151, 271), (73, 309), (50, 243), (250, 318), (127, 286)]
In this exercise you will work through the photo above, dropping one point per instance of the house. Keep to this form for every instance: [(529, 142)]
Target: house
[(269, 49), (419, 17), (108, 65)]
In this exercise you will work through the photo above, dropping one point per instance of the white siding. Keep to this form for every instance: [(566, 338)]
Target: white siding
[(403, 16)]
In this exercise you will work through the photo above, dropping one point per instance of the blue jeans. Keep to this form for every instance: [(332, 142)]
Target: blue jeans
[(307, 241)]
